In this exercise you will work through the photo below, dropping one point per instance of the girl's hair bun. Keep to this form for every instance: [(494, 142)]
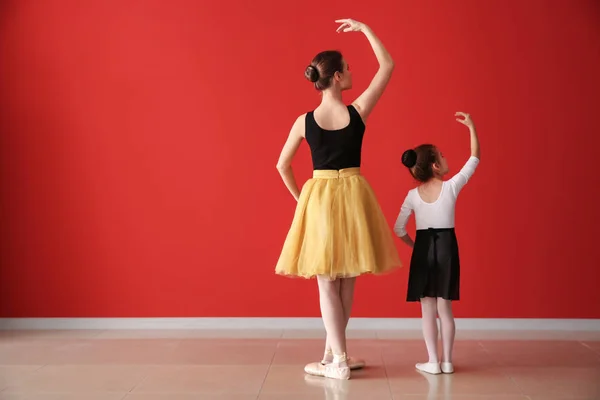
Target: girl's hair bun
[(409, 158)]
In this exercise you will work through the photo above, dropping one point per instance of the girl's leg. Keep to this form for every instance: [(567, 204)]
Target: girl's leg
[(448, 328), (430, 328), (430, 334)]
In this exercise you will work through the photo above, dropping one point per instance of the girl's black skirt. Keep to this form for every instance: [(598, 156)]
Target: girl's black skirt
[(434, 266)]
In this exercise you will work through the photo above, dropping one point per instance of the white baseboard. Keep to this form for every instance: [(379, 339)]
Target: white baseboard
[(578, 325)]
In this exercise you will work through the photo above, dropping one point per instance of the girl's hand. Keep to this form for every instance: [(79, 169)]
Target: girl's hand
[(349, 25), (474, 139), (466, 119)]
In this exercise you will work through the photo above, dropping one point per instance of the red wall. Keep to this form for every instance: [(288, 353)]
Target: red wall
[(139, 141)]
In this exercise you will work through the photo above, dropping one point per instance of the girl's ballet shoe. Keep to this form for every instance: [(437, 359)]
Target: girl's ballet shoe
[(447, 368), (430, 368)]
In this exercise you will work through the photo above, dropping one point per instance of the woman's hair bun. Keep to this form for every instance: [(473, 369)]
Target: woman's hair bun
[(311, 73), (409, 158)]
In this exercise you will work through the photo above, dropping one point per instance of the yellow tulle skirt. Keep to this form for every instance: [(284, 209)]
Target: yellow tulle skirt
[(338, 230)]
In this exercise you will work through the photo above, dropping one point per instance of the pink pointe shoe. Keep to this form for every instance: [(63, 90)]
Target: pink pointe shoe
[(331, 370)]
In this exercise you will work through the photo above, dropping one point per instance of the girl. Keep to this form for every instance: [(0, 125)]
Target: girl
[(434, 266), (338, 231)]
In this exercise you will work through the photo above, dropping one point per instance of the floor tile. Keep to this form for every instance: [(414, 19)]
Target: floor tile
[(471, 382), (62, 396), (191, 334), (189, 396), (557, 381), (80, 378), (119, 351), (224, 352), (541, 353), (215, 379), (15, 374)]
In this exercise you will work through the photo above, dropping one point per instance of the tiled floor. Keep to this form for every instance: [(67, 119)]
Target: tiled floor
[(268, 365)]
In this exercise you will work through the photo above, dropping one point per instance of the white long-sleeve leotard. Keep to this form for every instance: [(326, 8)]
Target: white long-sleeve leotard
[(440, 213)]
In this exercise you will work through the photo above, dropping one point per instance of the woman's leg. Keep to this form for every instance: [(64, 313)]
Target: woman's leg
[(347, 297), (448, 328), (334, 320), (333, 315)]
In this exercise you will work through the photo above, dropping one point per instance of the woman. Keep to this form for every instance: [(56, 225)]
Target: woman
[(338, 231)]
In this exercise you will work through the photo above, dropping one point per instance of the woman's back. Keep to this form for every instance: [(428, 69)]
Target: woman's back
[(335, 149)]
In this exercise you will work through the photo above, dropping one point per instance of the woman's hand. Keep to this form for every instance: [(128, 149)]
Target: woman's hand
[(349, 25), (365, 103)]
